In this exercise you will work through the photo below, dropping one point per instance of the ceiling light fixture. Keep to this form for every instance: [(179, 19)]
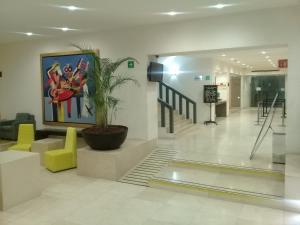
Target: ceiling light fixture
[(267, 57), (238, 62), (172, 13), (28, 33), (65, 29), (232, 59), (70, 7), (224, 55), (219, 6), (263, 52), (243, 64)]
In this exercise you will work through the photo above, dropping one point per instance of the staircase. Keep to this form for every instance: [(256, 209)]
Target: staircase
[(174, 109), (181, 125), (242, 184), (151, 165)]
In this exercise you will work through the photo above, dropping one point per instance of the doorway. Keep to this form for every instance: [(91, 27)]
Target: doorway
[(235, 91)]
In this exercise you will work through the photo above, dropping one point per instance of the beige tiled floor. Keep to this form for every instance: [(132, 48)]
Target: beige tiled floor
[(69, 199), (230, 142), (73, 200)]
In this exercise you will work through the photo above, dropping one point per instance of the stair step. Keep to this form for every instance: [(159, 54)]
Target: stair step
[(236, 181), (247, 185), (151, 165), (179, 129), (276, 174), (264, 200)]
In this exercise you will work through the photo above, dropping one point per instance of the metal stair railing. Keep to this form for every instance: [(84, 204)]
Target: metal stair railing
[(163, 106), (173, 103)]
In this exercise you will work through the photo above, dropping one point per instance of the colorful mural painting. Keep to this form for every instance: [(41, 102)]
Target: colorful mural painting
[(67, 83)]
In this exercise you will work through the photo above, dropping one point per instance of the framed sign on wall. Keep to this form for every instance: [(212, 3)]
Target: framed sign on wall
[(210, 94), (66, 83)]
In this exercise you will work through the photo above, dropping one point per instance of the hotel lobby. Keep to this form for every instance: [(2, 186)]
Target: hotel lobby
[(149, 112)]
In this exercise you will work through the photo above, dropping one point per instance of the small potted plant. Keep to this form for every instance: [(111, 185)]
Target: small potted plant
[(105, 136)]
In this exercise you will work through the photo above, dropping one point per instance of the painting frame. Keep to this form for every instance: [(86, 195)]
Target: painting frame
[(60, 55)]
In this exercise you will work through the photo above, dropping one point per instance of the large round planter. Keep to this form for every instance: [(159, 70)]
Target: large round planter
[(103, 139)]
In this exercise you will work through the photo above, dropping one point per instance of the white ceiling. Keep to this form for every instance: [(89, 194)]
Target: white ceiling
[(251, 57), (40, 16)]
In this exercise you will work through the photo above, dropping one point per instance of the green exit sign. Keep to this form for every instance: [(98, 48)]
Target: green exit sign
[(130, 64)]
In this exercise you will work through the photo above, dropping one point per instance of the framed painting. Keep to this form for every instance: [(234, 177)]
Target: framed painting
[(66, 84)]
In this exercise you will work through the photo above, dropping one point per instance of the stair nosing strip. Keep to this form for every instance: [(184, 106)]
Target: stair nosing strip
[(216, 188), (226, 166), (135, 183)]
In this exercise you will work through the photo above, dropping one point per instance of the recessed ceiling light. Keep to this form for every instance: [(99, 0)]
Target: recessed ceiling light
[(65, 29), (219, 6), (263, 52), (267, 57), (238, 62), (270, 60), (224, 55), (243, 64), (232, 59), (173, 13), (70, 7), (28, 33)]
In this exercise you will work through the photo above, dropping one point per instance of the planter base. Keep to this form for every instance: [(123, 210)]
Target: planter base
[(103, 139), (113, 165)]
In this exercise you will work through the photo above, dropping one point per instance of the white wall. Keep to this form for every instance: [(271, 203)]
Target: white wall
[(20, 87), (20, 62), (222, 71), (189, 67), (246, 92)]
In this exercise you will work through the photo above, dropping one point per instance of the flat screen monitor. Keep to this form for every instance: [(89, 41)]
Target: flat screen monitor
[(155, 72)]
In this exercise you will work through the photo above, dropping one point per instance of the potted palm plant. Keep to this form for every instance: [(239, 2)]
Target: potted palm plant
[(105, 136)]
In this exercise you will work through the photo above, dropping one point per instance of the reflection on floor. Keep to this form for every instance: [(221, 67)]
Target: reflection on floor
[(230, 142)]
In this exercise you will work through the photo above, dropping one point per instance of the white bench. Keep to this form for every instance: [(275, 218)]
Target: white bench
[(19, 177)]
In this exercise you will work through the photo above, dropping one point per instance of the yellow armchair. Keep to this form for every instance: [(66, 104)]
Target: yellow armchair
[(62, 159), (25, 138)]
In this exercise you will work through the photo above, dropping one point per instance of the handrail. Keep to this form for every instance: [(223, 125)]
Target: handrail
[(179, 93), (181, 96), (164, 105), (265, 128)]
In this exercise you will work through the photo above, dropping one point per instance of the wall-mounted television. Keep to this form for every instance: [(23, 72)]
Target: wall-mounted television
[(155, 72)]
